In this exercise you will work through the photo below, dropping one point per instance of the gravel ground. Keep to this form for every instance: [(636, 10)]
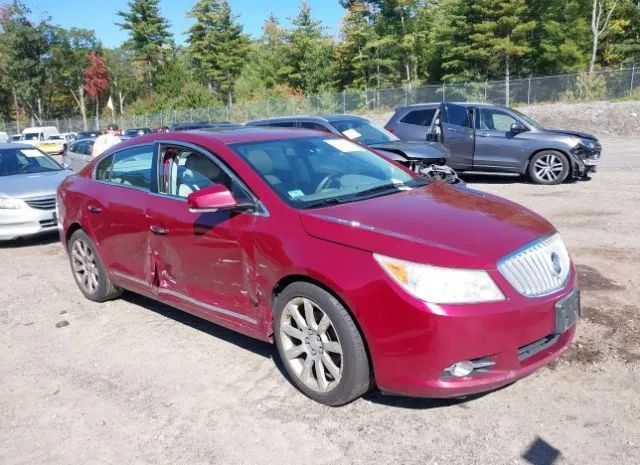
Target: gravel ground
[(135, 382)]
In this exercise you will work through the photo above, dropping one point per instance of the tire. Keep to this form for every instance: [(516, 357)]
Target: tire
[(549, 168), (88, 270), (298, 342)]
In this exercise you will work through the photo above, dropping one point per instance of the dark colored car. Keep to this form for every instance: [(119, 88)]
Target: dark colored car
[(359, 270), (416, 156), (88, 135), (204, 125), (488, 138), (136, 132)]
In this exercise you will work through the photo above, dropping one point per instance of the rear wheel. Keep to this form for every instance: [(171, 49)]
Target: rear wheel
[(88, 271), (320, 345), (548, 167)]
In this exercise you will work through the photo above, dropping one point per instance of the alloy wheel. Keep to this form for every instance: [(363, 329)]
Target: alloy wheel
[(311, 345), (549, 167), (83, 262)]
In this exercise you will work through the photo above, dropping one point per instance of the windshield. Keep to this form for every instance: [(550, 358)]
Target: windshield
[(25, 161), (534, 124), (316, 171), (363, 131), (31, 136)]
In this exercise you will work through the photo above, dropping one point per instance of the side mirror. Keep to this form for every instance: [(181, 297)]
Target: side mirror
[(518, 128), (214, 198)]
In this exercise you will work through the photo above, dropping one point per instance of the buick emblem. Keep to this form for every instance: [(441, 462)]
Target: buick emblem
[(555, 264)]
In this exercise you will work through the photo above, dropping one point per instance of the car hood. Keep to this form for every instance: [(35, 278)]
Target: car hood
[(22, 186), (439, 224), (415, 149), (565, 132)]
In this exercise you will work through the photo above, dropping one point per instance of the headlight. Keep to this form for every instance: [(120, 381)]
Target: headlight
[(439, 285), (11, 204), (588, 143)]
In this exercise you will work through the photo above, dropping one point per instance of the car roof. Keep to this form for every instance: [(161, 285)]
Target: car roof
[(224, 136), (6, 145), (328, 118), (437, 104)]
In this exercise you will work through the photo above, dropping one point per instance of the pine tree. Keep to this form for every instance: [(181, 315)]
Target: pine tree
[(218, 45), (355, 54), (149, 36), (310, 54)]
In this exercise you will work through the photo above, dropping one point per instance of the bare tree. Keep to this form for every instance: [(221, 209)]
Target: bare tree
[(599, 22)]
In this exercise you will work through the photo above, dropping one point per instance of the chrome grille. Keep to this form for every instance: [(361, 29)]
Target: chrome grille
[(42, 203), (539, 268)]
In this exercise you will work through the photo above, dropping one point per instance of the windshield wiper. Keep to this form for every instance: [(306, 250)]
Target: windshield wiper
[(323, 202)]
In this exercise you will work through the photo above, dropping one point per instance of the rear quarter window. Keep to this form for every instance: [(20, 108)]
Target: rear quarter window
[(419, 117)]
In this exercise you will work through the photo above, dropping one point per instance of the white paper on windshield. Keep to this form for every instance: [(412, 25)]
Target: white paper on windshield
[(32, 153), (344, 145), (351, 134)]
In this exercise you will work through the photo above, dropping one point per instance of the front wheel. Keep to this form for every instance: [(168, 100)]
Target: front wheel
[(320, 346), (548, 168)]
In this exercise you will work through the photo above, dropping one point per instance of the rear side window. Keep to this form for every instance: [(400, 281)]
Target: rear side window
[(132, 167), (419, 117), (457, 115), (103, 171), (283, 124)]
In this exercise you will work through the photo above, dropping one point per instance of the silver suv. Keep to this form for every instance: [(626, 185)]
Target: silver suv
[(488, 138)]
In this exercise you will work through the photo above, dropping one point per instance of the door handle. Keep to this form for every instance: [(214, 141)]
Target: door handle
[(94, 209), (158, 230), (482, 134)]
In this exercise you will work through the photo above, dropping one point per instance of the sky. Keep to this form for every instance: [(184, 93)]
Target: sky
[(100, 15)]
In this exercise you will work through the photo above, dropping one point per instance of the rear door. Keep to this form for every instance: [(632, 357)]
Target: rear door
[(458, 134), (496, 146), (116, 212)]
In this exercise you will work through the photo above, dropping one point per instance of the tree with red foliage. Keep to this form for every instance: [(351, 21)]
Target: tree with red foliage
[(96, 79)]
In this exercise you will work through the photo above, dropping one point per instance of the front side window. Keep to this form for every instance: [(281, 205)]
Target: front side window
[(363, 131), (31, 136), (314, 171), (495, 120), (25, 161), (132, 167), (184, 171), (313, 126)]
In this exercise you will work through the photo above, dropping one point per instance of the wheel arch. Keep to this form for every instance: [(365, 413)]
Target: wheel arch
[(70, 230), (295, 278)]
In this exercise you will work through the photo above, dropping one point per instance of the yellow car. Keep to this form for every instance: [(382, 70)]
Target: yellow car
[(56, 145)]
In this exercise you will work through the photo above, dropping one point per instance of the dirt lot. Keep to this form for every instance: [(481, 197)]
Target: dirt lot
[(133, 381)]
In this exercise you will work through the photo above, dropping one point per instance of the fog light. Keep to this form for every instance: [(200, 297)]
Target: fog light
[(461, 369)]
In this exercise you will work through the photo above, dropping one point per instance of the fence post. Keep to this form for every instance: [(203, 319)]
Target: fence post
[(633, 72), (208, 114), (486, 88), (443, 92), (344, 102), (529, 92)]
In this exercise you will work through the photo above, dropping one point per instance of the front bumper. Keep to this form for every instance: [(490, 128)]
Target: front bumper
[(25, 222), (585, 160), (412, 350)]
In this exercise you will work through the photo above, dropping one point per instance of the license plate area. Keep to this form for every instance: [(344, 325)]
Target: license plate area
[(567, 312)]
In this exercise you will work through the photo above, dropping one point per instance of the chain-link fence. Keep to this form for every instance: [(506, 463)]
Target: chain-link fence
[(621, 84)]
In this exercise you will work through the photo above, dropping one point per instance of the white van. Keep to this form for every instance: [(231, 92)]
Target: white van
[(38, 134)]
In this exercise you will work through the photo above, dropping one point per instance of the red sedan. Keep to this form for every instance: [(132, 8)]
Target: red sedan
[(359, 271)]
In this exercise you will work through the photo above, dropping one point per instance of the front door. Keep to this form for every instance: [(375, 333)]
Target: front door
[(201, 259), (457, 135), (497, 147), (116, 212)]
